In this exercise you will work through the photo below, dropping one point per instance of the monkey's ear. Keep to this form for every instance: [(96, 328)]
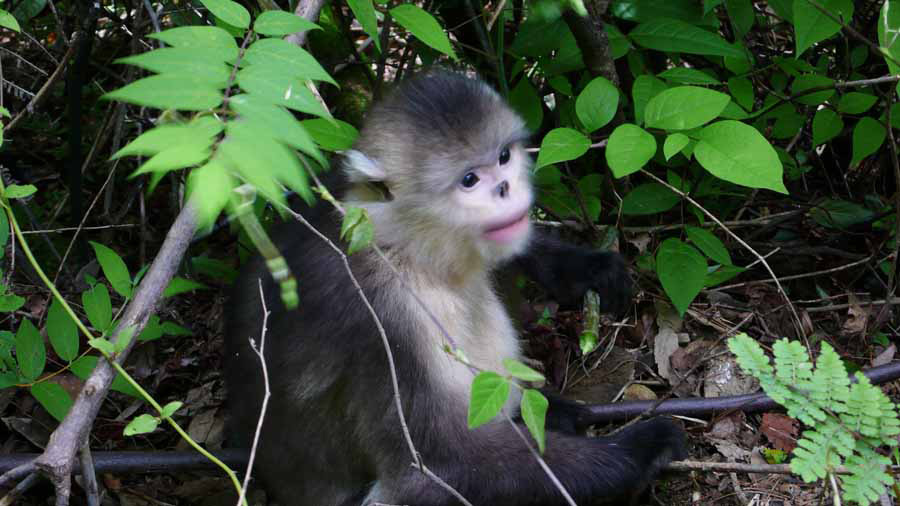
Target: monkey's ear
[(360, 168)]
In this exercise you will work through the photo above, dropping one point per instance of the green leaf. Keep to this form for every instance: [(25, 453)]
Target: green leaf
[(682, 271), (533, 409), (423, 25), (15, 191), (521, 371), (277, 122), (722, 274), (142, 424), (290, 59), (173, 329), (30, 352), (180, 285), (524, 99), (826, 125), (209, 187), (201, 131), (200, 63), (10, 303), (229, 11), (123, 339), (280, 23), (200, 37), (868, 136), (4, 231), (152, 330), (741, 14), (560, 145), (810, 81), (62, 332), (280, 88), (674, 144), (214, 268), (741, 88), (811, 25), (7, 20), (169, 409), (596, 105), (53, 398), (684, 107), (262, 161), (489, 394), (331, 135), (364, 11), (856, 102), (683, 75), (357, 229), (645, 88), (709, 244), (114, 269), (98, 307), (619, 45), (103, 345), (649, 198), (629, 148), (177, 157), (888, 27), (840, 214), (170, 91), (738, 153), (84, 366), (675, 36)]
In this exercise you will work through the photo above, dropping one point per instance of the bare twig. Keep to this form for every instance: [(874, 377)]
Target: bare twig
[(265, 402), (797, 322), (43, 92)]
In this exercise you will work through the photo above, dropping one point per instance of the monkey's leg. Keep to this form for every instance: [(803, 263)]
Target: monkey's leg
[(493, 467), (567, 271)]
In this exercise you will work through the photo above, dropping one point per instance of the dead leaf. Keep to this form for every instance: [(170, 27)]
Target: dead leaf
[(858, 316), (664, 345), (886, 356), (638, 393), (640, 241), (781, 430), (725, 377), (727, 427), (730, 450), (604, 382)]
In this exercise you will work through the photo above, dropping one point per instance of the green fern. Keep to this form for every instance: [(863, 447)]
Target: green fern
[(847, 421)]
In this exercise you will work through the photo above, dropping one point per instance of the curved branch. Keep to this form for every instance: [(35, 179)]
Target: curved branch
[(705, 406)]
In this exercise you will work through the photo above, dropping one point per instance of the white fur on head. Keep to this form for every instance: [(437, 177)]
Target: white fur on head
[(360, 168)]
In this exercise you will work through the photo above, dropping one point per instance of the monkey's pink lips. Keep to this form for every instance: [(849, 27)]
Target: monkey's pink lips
[(509, 230)]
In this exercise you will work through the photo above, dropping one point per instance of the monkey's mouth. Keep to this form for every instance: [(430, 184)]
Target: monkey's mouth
[(508, 230)]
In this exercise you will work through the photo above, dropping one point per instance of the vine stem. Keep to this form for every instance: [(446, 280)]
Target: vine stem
[(181, 432)]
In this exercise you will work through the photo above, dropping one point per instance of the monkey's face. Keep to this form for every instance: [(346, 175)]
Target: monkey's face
[(492, 200)]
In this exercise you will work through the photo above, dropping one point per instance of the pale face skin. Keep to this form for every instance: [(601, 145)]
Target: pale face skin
[(494, 200)]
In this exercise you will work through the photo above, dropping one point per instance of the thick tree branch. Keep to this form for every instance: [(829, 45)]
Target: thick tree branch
[(58, 460)]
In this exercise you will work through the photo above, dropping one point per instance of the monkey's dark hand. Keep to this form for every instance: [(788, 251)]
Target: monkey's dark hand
[(568, 271)]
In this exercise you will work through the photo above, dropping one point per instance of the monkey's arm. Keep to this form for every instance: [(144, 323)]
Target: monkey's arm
[(567, 271)]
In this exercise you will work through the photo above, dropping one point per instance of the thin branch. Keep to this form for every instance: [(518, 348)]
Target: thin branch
[(43, 92), (711, 216), (268, 393)]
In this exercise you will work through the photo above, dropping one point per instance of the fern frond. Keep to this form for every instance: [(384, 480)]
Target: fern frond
[(867, 480), (830, 385), (820, 450), (847, 421)]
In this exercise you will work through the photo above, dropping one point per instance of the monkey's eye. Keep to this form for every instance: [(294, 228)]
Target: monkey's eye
[(469, 180), (504, 156)]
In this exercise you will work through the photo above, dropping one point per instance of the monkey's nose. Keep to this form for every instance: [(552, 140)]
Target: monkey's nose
[(503, 189)]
